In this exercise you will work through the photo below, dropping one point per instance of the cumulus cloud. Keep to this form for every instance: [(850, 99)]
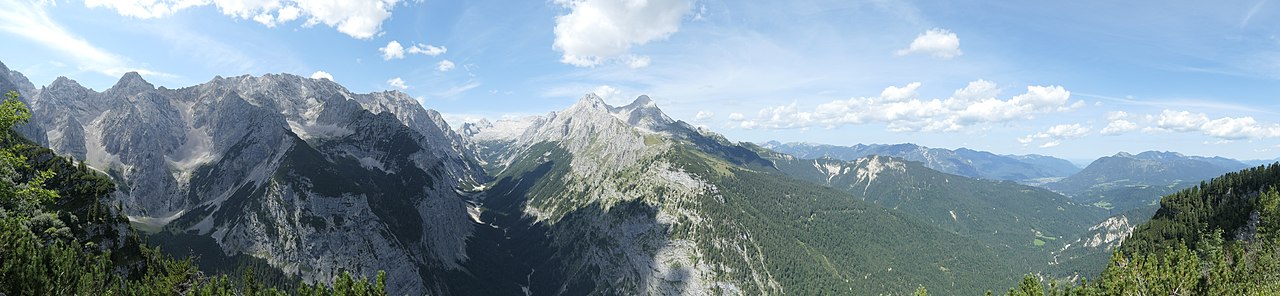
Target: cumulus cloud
[(322, 75), (610, 94), (703, 116), (1226, 129), (1181, 121), (902, 110), (977, 90), (737, 116), (361, 19), (1055, 135), (596, 31), (397, 83), (394, 50), (444, 66), (939, 43), (1118, 124)]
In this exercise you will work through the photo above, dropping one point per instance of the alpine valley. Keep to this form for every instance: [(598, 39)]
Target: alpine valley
[(310, 182)]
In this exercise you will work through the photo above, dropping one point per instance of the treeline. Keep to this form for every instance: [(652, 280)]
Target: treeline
[(1219, 238), (58, 237)]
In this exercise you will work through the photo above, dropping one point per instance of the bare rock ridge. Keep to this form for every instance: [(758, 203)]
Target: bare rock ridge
[(297, 171)]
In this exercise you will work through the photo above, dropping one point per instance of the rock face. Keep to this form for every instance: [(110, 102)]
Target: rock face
[(300, 172), (598, 199), (11, 80), (591, 186), (964, 162)]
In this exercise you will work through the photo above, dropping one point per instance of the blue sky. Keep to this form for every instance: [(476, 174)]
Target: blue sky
[(1078, 80)]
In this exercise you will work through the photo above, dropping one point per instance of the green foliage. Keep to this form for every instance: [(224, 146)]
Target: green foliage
[(921, 291), (55, 229), (1029, 286), (1202, 241)]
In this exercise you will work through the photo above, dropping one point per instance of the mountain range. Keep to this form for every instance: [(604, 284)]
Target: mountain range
[(314, 180), (1126, 181), (297, 171), (962, 161)]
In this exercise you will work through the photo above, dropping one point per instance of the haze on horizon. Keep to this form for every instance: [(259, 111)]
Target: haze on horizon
[(1073, 80)]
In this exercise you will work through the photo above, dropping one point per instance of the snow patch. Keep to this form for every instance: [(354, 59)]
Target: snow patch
[(156, 222), (370, 163), (309, 130)]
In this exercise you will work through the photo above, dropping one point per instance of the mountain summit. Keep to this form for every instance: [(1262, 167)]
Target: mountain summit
[(300, 173)]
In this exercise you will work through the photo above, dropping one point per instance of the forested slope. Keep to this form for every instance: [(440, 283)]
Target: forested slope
[(59, 237)]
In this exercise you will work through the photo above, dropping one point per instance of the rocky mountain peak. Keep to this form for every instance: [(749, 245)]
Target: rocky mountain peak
[(643, 101), (589, 101), (131, 78), (643, 113), (1160, 155), (64, 82), (131, 83)]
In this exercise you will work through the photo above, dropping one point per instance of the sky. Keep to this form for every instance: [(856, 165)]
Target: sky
[(1072, 79)]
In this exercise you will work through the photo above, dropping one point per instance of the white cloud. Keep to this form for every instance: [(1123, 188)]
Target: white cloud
[(427, 49), (1226, 128), (737, 116), (636, 62), (703, 116), (901, 109), (444, 66), (397, 83), (322, 75), (610, 94), (1119, 123), (1055, 135), (1181, 121), (898, 94), (1119, 126), (595, 31), (361, 19), (31, 21), (977, 90), (1238, 128), (939, 43), (393, 50)]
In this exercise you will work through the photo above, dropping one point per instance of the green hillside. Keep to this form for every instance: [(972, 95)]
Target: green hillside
[(1217, 238), (759, 232)]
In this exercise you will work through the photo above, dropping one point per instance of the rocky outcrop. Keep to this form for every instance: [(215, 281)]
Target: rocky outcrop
[(300, 172)]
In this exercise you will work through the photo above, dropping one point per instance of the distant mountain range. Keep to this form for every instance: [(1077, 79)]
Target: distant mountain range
[(963, 161), (1127, 181), (313, 180)]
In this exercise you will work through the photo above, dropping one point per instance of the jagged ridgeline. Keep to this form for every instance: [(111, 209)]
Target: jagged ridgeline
[(623, 200), (293, 174), (59, 235), (1221, 237)]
